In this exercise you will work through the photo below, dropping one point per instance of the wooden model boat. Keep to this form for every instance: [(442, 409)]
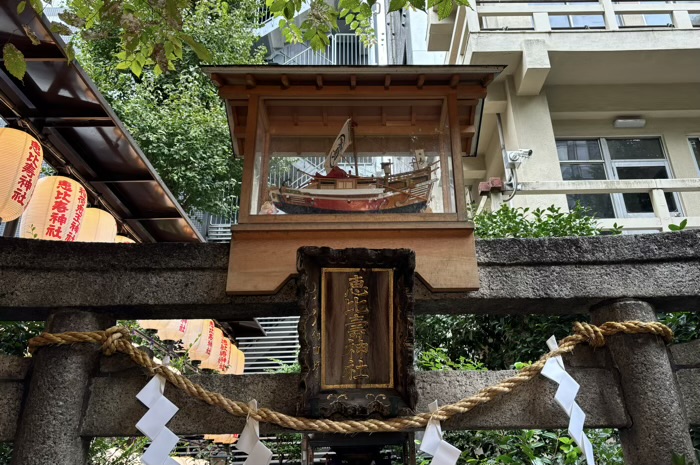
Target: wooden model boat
[(340, 192)]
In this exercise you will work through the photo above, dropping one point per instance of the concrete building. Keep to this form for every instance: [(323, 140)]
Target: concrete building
[(606, 95)]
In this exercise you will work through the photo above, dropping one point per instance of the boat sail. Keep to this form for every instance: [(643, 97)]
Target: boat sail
[(338, 191)]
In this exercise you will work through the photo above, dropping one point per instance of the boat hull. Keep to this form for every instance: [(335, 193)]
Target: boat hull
[(401, 193), (306, 210)]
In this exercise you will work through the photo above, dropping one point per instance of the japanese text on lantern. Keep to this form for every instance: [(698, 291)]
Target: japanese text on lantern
[(78, 216), (357, 342), (25, 183), (61, 207), (210, 338), (224, 353)]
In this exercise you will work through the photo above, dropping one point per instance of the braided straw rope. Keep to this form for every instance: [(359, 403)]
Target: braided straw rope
[(117, 339)]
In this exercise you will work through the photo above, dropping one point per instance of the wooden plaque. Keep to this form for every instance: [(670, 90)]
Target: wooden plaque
[(357, 328), (356, 332)]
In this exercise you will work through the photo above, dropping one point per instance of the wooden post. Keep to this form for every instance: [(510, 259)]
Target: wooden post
[(49, 427), (658, 425), (457, 168), (249, 159)]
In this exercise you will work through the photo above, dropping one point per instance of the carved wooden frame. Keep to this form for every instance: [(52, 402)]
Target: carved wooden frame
[(355, 403)]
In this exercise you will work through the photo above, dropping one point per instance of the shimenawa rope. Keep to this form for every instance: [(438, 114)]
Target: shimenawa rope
[(117, 339)]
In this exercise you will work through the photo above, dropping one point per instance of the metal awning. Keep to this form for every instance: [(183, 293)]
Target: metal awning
[(82, 136)]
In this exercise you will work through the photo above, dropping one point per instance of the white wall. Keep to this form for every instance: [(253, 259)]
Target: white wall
[(417, 43)]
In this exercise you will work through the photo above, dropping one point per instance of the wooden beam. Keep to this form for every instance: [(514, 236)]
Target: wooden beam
[(387, 81), (310, 130), (249, 81), (218, 80), (353, 82), (421, 81), (466, 91), (454, 81), (285, 81), (467, 130), (319, 81), (324, 116)]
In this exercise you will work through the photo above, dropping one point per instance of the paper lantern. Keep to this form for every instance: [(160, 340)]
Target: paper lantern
[(212, 362), (152, 324), (236, 361), (202, 348), (21, 157), (241, 363), (98, 226), (193, 333), (124, 240), (56, 211), (174, 330), (221, 438), (224, 358)]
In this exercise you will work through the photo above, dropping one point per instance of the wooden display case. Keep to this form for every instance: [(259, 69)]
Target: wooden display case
[(344, 157)]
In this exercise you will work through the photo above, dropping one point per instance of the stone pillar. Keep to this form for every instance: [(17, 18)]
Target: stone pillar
[(658, 426), (49, 428)]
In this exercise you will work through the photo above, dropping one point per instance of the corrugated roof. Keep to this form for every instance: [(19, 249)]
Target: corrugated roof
[(82, 136)]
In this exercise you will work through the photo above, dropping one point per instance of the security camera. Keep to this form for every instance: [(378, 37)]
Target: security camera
[(516, 157)]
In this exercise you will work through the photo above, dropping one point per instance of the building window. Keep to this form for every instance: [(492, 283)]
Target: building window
[(695, 147), (582, 160), (615, 159)]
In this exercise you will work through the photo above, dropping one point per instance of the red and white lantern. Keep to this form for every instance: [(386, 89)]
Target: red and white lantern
[(56, 210), (236, 361), (202, 347), (21, 157), (174, 330), (212, 362), (98, 226)]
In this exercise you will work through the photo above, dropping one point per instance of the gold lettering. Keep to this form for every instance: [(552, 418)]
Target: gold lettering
[(356, 324)]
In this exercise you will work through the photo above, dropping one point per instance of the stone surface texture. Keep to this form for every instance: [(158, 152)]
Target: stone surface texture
[(686, 355), (49, 428), (551, 276), (659, 425), (530, 406), (14, 368)]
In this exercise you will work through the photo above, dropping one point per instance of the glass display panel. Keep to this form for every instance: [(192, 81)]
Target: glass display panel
[(353, 157)]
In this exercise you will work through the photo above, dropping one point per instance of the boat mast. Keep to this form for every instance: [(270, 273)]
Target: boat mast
[(354, 145)]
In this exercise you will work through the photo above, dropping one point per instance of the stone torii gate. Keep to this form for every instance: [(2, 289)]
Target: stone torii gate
[(51, 405)]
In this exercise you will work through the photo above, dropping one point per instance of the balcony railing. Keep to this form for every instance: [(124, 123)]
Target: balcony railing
[(344, 49), (546, 16), (656, 188)]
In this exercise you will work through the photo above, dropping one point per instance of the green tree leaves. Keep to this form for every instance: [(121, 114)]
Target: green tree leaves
[(144, 29), (177, 118), (202, 53), (14, 60)]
